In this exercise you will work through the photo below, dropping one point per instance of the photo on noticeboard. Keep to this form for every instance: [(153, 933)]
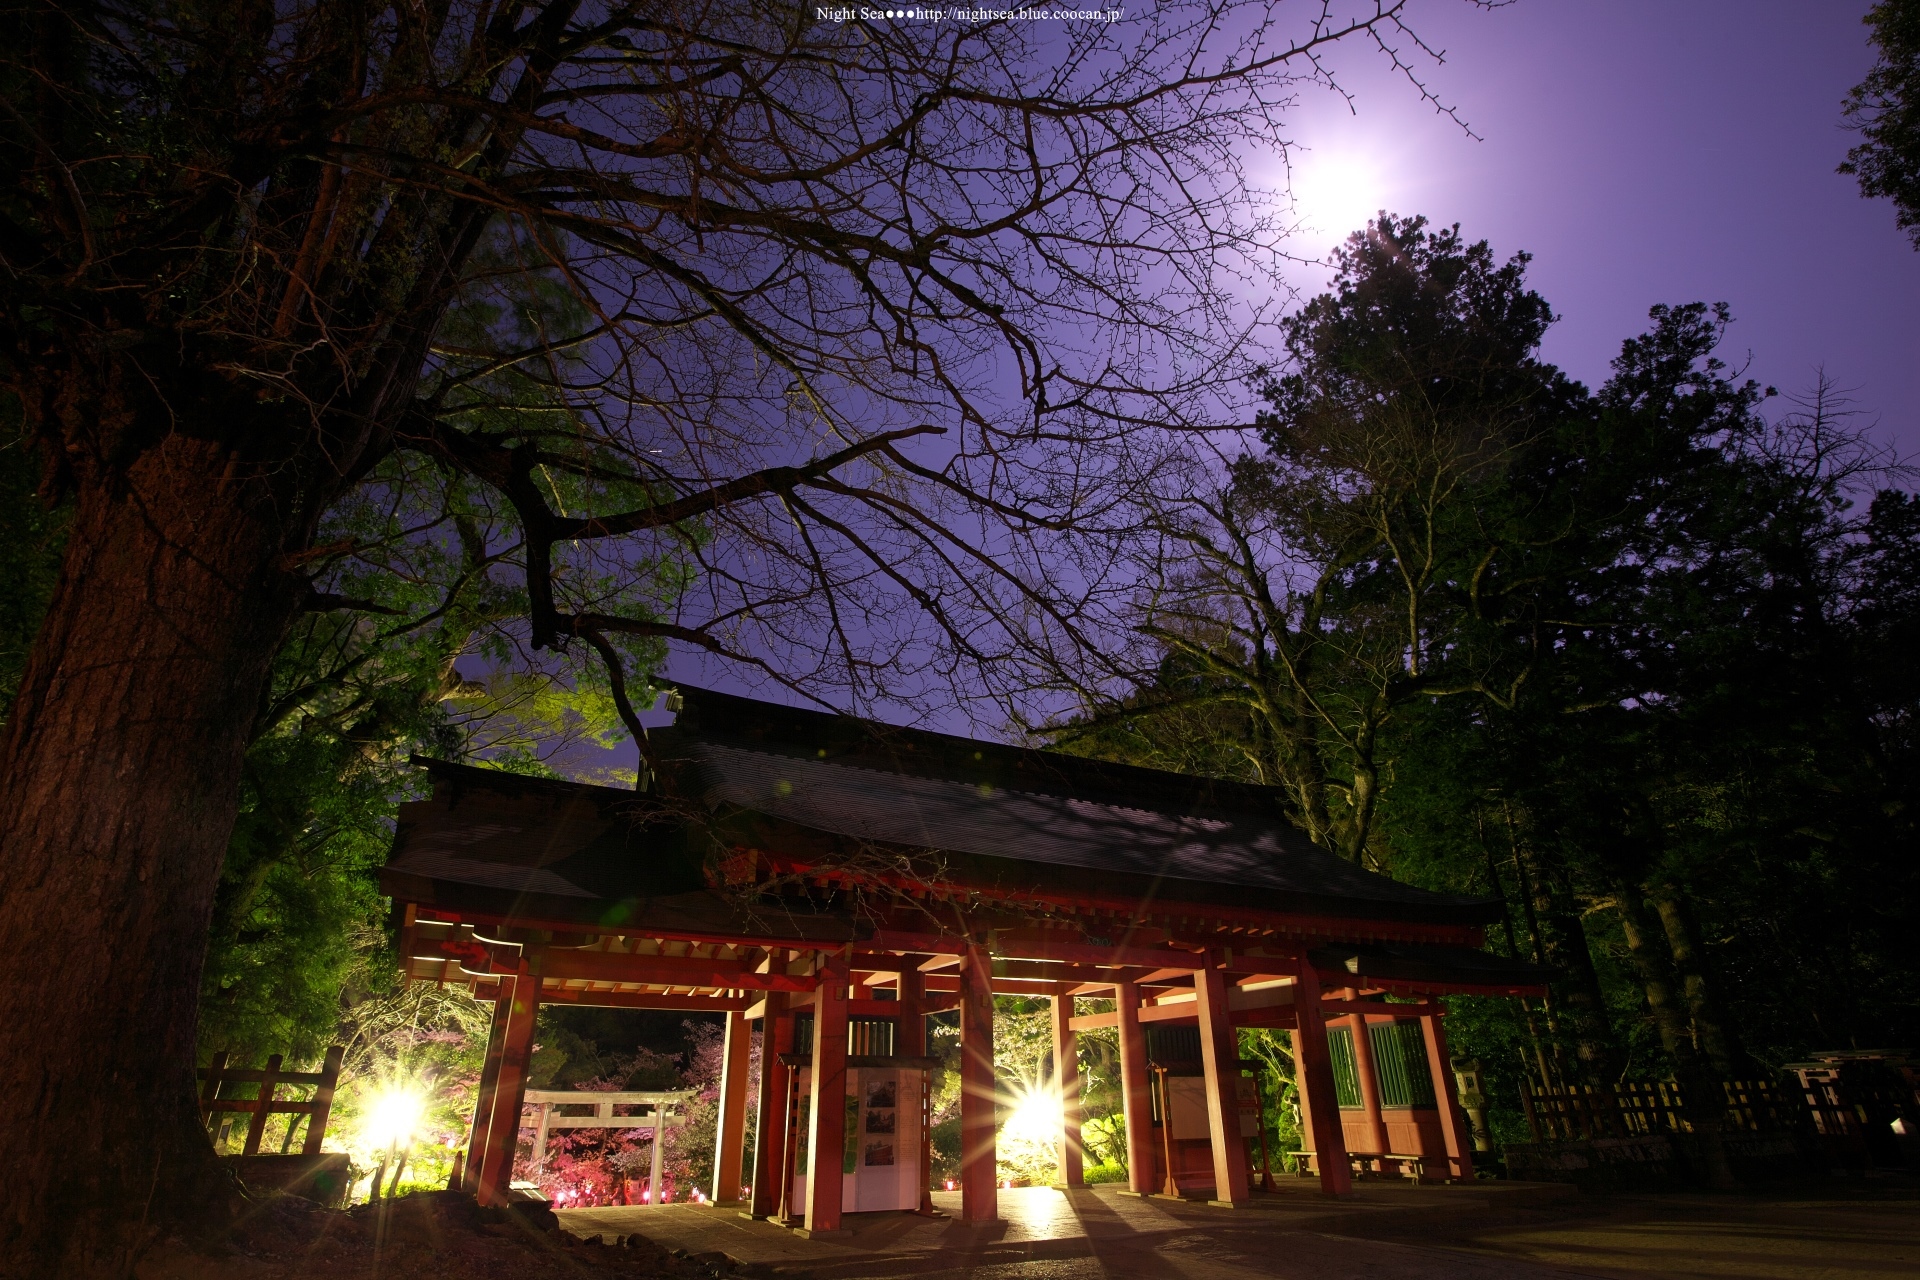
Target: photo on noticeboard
[(880, 1121), (879, 1153), (880, 1093)]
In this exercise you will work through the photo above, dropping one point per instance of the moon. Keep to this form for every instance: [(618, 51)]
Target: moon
[(1337, 192)]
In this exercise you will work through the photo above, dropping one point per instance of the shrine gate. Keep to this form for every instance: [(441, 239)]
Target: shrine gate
[(835, 881)]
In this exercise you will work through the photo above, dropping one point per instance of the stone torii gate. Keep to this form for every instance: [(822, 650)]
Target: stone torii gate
[(796, 870)]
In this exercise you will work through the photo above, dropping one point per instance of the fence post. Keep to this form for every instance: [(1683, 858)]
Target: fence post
[(262, 1105), (1526, 1104), (323, 1099), (215, 1071)]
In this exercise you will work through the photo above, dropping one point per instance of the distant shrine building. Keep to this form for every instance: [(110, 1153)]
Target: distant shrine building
[(833, 882)]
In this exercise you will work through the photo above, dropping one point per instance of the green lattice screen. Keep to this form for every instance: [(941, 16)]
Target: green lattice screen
[(1399, 1061), (1346, 1073)]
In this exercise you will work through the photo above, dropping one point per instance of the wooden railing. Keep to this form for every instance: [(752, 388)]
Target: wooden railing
[(217, 1075), (1852, 1116), (1637, 1108)]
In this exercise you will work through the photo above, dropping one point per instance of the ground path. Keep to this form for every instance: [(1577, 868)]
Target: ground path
[(1846, 1231), (1488, 1231)]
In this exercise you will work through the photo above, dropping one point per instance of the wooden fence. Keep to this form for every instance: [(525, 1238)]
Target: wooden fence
[(1855, 1117), (217, 1076), (1638, 1108)]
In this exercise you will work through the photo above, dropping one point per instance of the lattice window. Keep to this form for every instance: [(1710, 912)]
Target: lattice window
[(1400, 1060), (872, 1037), (1346, 1072)]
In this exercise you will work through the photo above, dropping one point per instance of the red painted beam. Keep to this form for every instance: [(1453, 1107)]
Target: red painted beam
[(1027, 949), (1057, 971), (641, 1000), (488, 920), (1182, 1012), (612, 966), (1376, 1011), (678, 971), (887, 962)]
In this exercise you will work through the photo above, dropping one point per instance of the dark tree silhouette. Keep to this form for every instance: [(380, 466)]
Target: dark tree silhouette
[(1885, 108)]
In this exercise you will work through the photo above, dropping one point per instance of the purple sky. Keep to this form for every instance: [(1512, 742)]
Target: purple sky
[(1647, 151), (1643, 151)]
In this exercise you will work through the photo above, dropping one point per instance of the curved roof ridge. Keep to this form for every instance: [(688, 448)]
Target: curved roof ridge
[(709, 714)]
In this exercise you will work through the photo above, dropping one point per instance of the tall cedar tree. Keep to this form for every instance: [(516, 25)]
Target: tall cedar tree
[(1692, 780), (1373, 555)]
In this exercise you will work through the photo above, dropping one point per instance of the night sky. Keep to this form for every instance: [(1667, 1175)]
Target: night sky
[(1646, 151), (1643, 151)]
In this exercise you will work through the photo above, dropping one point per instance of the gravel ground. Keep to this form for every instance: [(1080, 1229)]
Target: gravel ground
[(430, 1236)]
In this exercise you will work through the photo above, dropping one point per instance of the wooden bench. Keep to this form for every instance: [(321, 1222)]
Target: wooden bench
[(1372, 1163), (1412, 1168)]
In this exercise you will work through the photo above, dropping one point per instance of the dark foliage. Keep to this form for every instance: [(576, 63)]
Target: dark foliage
[(1885, 108), (1636, 660)]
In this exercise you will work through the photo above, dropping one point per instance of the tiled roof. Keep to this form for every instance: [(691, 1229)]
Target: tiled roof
[(503, 844), (1004, 818), (1250, 851), (534, 836), (1038, 815)]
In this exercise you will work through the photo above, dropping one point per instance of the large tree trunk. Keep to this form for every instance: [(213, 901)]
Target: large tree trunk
[(1713, 1032), (119, 778), (1704, 1102), (1560, 940), (1656, 979)]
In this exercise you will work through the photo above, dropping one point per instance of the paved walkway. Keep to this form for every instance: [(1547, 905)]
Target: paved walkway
[(1843, 1230), (1858, 1230), (1103, 1234)]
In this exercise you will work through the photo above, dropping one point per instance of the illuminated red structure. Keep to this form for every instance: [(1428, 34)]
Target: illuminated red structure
[(836, 881)]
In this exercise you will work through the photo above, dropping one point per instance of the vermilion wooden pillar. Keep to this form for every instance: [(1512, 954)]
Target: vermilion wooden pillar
[(1320, 1105), (732, 1126), (827, 1144), (770, 1126), (1134, 1085), (1220, 1062), (489, 1083), (1363, 1066), (910, 1041), (1066, 1076), (1453, 1125), (979, 1187), (510, 1095), (1300, 1094)]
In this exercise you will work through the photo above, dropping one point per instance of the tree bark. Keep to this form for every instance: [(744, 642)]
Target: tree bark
[(1549, 1078), (1582, 1001), (1701, 1091), (1712, 1033), (1560, 940), (1656, 979), (119, 777)]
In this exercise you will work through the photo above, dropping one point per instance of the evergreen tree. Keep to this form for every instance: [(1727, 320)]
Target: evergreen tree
[(1885, 108)]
